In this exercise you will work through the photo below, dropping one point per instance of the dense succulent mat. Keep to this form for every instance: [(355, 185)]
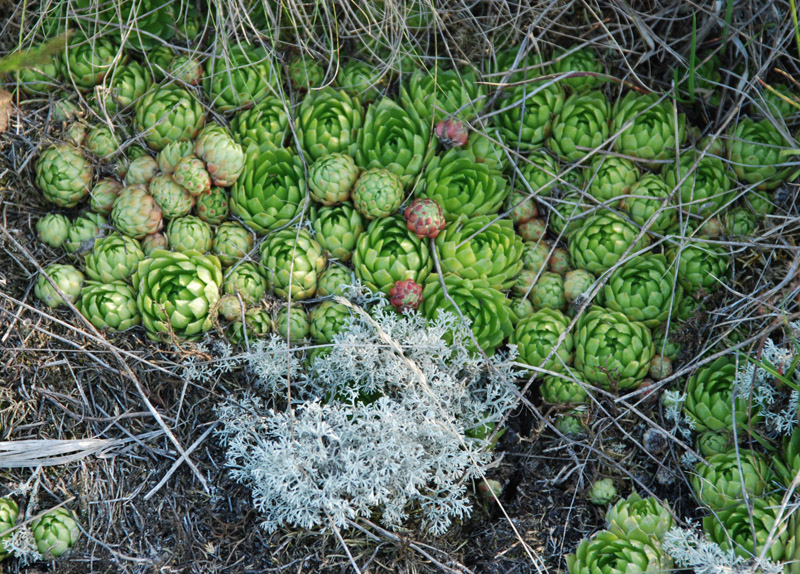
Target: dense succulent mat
[(412, 274)]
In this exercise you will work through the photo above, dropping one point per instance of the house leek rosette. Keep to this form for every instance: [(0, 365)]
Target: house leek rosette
[(602, 240), (327, 319), (141, 170), (437, 94), (548, 292), (461, 185), (388, 252), (103, 195), (649, 204), (582, 123), (740, 222), (55, 532), (248, 280), (637, 514), (331, 178), (232, 242), (527, 114), (257, 324), (63, 175), (337, 229), (265, 124), (362, 80), (68, 279), (128, 84), (610, 178), (718, 484), (536, 337), (223, 157), (519, 67), (486, 308), (327, 122), (213, 207), (651, 133), (86, 61), (135, 212), (611, 350), (394, 138), (271, 190), (240, 77), (580, 60), (171, 198), (643, 288), (9, 511), (176, 292), (540, 171), (567, 214), (708, 398), (378, 193), (707, 186), (701, 266), (293, 262), (481, 248), (53, 229), (566, 389), (333, 279), (733, 528), (109, 305), (113, 258), (755, 151), (167, 114), (83, 232), (292, 321), (190, 233), (609, 553)]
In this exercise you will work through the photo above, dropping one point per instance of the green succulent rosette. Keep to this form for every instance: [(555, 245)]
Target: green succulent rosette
[(485, 308), (292, 321), (109, 305), (520, 308), (248, 280), (526, 114), (362, 81), (304, 72), (539, 172), (582, 123), (190, 233), (101, 142), (706, 187), (128, 84), (577, 282), (609, 553), (578, 60), (157, 61), (190, 173), (113, 258), (610, 178), (154, 22), (331, 178), (53, 229), (9, 511), (333, 280), (222, 156), (257, 324), (646, 127), (463, 186), (327, 319), (710, 399), (602, 240), (232, 242), (775, 102), (172, 199), (733, 529), (709, 443), (337, 229), (718, 484), (755, 153), (86, 61), (567, 214), (437, 94), (488, 149), (265, 124), (514, 64), (643, 289), (42, 78), (394, 138), (271, 190), (103, 195), (387, 252), (611, 350), (213, 207), (63, 175), (186, 70), (378, 193), (649, 204), (639, 515), (327, 122), (701, 266), (176, 292), (740, 222), (172, 153), (141, 171), (548, 292), (83, 232), (240, 77), (760, 203), (293, 261), (566, 389), (536, 337), (55, 532), (481, 248), (167, 114)]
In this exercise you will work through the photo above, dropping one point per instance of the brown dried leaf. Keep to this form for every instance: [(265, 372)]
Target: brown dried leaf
[(5, 110)]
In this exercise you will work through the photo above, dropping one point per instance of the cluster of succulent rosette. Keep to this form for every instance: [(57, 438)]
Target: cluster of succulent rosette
[(55, 531), (577, 221)]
